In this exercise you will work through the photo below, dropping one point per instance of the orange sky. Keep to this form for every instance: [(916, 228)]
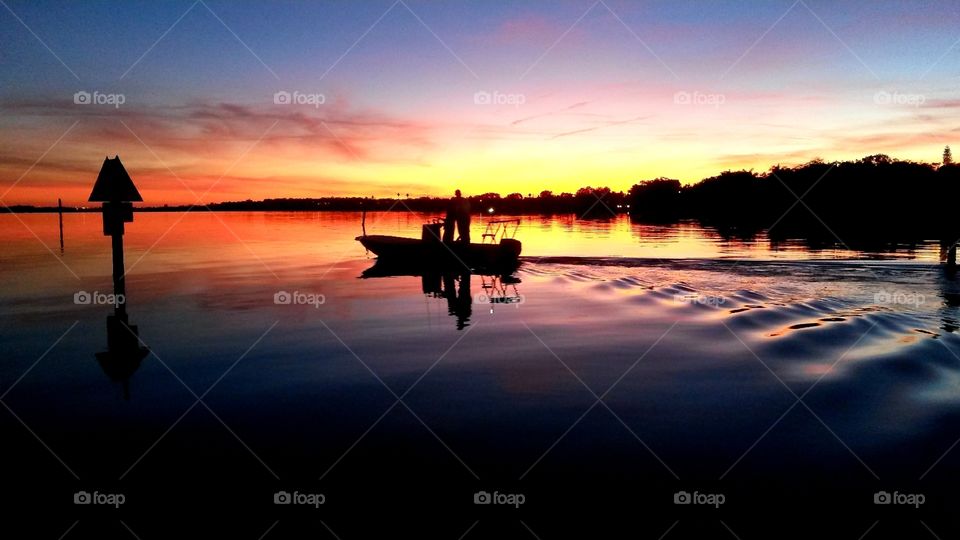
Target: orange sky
[(523, 99)]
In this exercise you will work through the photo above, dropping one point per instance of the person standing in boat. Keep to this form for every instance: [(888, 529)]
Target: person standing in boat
[(458, 214)]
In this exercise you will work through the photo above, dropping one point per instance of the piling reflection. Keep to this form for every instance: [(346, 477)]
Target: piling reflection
[(124, 351)]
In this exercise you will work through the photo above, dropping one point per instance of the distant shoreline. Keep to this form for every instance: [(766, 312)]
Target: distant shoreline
[(19, 209), (877, 198), (586, 201)]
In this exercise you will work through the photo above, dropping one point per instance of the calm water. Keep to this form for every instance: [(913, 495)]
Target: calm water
[(763, 372)]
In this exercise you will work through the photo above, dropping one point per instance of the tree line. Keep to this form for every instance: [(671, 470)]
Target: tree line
[(869, 197)]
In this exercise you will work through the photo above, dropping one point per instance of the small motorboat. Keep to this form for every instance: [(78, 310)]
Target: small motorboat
[(498, 248)]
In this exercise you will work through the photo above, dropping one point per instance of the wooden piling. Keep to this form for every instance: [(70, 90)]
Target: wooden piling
[(60, 211)]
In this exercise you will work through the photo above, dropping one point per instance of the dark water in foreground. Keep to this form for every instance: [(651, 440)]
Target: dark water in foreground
[(659, 361)]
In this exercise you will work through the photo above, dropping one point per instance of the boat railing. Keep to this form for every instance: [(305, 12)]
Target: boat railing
[(500, 229), (496, 291)]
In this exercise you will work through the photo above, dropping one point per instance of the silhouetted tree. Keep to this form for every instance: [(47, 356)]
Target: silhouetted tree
[(655, 200), (733, 198), (598, 202), (947, 156)]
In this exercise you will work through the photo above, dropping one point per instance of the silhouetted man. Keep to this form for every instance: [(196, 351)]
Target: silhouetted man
[(458, 213)]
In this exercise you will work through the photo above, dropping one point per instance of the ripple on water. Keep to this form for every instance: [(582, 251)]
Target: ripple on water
[(763, 308)]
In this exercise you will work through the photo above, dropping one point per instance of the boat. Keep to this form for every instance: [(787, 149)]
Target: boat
[(401, 266), (498, 249)]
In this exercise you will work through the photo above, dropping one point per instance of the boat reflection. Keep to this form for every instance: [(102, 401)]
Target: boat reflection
[(455, 286), (499, 290)]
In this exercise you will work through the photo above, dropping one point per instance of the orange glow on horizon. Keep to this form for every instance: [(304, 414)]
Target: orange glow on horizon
[(264, 154)]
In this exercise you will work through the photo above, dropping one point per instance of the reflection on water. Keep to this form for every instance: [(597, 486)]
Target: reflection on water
[(950, 301), (174, 240), (499, 290), (716, 321), (124, 351), (455, 287)]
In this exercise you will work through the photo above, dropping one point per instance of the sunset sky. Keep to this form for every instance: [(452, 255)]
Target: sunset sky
[(591, 93)]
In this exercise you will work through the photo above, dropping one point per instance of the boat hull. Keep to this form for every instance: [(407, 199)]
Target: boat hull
[(454, 255)]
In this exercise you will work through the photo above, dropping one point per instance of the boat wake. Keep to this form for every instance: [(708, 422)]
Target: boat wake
[(770, 299)]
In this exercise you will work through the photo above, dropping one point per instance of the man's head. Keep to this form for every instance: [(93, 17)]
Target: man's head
[(457, 193)]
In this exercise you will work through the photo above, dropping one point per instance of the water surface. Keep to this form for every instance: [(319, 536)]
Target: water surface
[(623, 358)]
